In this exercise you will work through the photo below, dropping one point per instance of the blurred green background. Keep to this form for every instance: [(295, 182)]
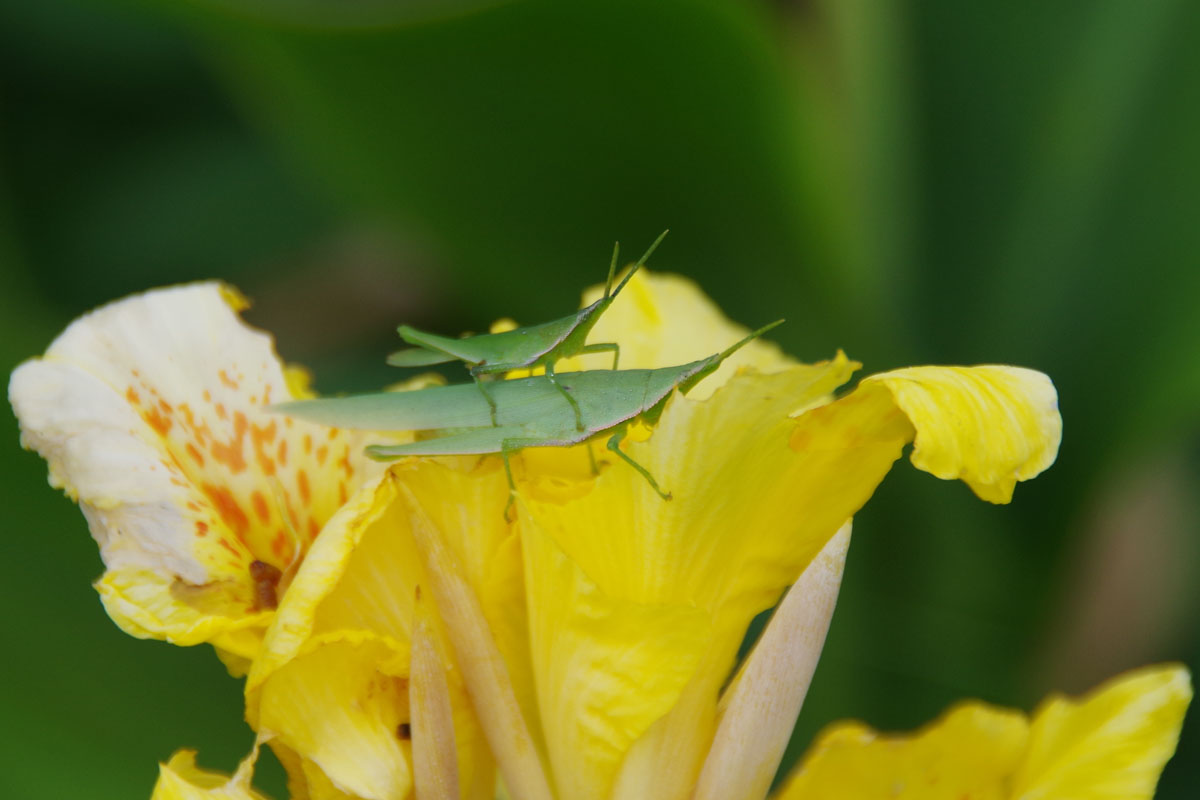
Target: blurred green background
[(933, 182)]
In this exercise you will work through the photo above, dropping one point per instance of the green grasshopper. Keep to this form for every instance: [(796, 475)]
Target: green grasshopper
[(529, 412), (523, 348)]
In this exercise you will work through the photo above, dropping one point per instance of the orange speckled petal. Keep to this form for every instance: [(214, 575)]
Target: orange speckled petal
[(152, 413)]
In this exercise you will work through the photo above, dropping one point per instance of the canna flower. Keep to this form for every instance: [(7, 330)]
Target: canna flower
[(423, 644), (151, 415)]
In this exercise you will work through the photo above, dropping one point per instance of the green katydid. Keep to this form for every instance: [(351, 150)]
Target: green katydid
[(541, 345), (528, 411)]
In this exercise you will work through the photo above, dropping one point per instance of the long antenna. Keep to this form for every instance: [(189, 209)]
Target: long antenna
[(727, 352), (612, 269), (641, 262)]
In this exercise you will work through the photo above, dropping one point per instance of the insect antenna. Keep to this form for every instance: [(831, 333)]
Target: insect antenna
[(641, 262), (612, 269), (728, 351)]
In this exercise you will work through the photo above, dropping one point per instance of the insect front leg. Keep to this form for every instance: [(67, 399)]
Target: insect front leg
[(566, 394), (486, 395), (614, 444), (605, 347)]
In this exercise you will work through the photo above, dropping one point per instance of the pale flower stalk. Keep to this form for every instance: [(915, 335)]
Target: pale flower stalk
[(401, 638)]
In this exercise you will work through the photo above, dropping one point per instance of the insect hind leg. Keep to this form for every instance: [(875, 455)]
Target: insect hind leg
[(614, 444), (507, 448)]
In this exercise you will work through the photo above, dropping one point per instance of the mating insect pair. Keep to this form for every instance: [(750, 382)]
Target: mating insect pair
[(505, 416)]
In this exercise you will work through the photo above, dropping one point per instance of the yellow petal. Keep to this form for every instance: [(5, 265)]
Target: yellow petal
[(1110, 744), (661, 320), (181, 779), (606, 668), (151, 413), (743, 524), (332, 680), (990, 426), (970, 752)]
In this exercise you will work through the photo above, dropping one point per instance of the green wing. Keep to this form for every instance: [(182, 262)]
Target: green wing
[(519, 347), (418, 357), (461, 405), (457, 406), (474, 442)]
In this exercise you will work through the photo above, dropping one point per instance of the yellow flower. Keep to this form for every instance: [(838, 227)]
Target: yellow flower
[(151, 414), (423, 644)]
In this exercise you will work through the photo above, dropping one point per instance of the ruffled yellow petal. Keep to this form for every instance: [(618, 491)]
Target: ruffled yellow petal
[(151, 413), (661, 320), (1110, 744), (970, 752), (181, 779), (332, 680), (989, 426)]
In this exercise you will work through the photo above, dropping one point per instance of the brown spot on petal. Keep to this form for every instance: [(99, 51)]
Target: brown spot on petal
[(313, 528), (322, 454), (281, 453), (225, 379), (195, 454), (228, 508), (343, 495), (266, 580), (132, 396), (404, 731), (279, 545), (221, 412), (302, 485), (260, 506), (230, 453), (307, 443), (260, 437), (201, 528)]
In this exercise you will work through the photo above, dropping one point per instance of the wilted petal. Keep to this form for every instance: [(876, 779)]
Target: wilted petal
[(1110, 744), (151, 413), (181, 779), (759, 709), (435, 759)]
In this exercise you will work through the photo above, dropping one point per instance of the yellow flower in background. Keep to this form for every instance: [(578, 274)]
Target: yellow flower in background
[(1112, 743), (423, 645)]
